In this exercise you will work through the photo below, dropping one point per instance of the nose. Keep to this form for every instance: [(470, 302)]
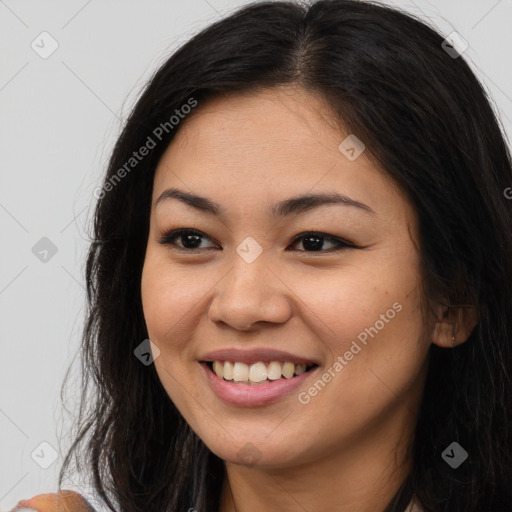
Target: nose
[(250, 293)]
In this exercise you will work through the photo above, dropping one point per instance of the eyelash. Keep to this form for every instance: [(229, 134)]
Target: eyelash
[(168, 238)]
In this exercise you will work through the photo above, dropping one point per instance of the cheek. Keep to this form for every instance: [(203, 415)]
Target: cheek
[(156, 300), (372, 325), (173, 297), (370, 312), (167, 303), (164, 299), (342, 305)]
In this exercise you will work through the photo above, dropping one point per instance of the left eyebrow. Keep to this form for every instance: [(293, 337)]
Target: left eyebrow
[(294, 205), (304, 203)]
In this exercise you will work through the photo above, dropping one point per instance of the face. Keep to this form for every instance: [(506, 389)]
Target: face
[(261, 279)]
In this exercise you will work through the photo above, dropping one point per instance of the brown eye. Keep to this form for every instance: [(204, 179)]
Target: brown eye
[(190, 239), (315, 242), (186, 239)]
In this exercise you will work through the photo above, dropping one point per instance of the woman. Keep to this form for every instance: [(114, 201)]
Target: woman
[(371, 373)]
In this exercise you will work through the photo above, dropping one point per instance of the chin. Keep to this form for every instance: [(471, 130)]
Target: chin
[(251, 452)]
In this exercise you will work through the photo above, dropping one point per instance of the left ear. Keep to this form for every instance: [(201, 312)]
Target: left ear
[(454, 325)]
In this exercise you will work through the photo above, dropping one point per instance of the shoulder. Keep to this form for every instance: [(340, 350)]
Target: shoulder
[(63, 501)]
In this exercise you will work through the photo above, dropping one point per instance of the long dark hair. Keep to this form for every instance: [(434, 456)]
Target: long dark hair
[(426, 121)]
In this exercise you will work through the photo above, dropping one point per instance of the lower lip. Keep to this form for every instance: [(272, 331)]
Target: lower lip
[(252, 395)]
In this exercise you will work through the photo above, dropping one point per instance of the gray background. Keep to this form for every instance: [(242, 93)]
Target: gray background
[(59, 119)]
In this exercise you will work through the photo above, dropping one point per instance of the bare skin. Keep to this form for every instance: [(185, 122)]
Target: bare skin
[(344, 449)]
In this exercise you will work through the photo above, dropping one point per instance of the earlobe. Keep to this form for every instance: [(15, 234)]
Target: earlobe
[(444, 335), (454, 326)]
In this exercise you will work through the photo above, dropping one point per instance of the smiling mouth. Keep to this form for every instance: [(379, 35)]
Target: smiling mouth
[(258, 373)]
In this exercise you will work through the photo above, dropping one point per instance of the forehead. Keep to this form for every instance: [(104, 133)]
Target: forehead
[(282, 117), (268, 145)]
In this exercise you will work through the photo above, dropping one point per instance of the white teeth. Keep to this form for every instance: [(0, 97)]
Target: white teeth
[(274, 370), (257, 372), (218, 368), (288, 370), (300, 369), (240, 372), (228, 370)]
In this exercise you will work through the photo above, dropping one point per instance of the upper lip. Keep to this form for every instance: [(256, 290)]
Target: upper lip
[(254, 356)]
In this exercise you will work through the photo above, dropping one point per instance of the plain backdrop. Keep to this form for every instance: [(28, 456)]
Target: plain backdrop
[(59, 117)]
